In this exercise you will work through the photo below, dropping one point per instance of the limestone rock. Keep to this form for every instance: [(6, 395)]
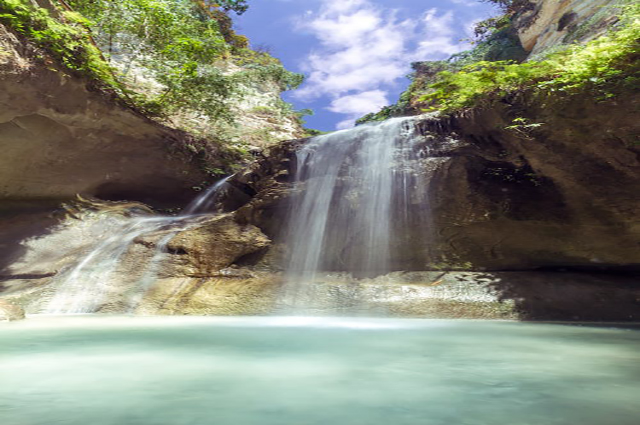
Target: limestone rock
[(217, 243), (550, 23), (61, 136), (10, 311)]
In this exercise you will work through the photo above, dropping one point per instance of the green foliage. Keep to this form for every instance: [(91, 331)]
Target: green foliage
[(601, 67), (511, 6), (162, 56), (484, 29), (385, 113), (270, 70), (68, 42), (523, 128), (174, 43), (455, 90), (311, 132), (238, 6)]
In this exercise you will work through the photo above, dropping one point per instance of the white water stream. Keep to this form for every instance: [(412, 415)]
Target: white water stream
[(88, 285), (353, 193)]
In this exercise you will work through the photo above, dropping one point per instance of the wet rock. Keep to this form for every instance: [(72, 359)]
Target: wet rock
[(10, 311), (533, 296), (495, 198), (216, 244)]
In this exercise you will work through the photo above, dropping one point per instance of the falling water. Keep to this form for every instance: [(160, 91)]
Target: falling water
[(85, 287), (353, 188)]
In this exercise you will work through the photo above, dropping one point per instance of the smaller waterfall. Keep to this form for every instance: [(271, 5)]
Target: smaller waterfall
[(206, 202), (352, 202), (85, 287)]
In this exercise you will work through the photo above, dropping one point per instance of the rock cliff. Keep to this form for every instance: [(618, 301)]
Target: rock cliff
[(61, 136), (501, 198), (547, 24), (518, 214)]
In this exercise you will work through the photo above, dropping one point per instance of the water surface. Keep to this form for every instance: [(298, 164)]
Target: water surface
[(81, 370)]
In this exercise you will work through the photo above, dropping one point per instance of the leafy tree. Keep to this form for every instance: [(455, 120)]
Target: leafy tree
[(238, 6), (182, 43), (168, 58), (511, 6)]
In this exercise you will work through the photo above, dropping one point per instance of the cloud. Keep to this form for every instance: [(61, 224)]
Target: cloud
[(364, 50), (469, 3), (357, 105), (437, 36)]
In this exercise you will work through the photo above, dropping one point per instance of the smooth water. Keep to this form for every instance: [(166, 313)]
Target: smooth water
[(80, 370)]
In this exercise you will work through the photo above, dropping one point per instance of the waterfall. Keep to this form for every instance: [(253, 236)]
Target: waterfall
[(353, 190), (359, 205), (85, 287)]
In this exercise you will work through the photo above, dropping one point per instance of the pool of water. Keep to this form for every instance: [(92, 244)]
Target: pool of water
[(83, 370)]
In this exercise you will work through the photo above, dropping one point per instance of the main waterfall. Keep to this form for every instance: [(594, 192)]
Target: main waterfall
[(352, 203)]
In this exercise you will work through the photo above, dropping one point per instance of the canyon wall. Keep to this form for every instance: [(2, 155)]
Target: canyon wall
[(547, 24)]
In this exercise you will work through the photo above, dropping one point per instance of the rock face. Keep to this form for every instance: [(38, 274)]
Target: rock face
[(217, 243), (561, 194), (10, 312), (194, 251), (549, 23), (60, 137), (263, 117)]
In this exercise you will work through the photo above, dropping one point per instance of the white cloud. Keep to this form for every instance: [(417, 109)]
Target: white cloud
[(470, 3), (357, 105), (365, 49)]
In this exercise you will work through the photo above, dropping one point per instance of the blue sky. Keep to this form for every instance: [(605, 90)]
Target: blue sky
[(356, 53)]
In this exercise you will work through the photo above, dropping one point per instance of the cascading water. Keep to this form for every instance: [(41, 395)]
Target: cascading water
[(85, 287), (359, 205), (352, 206)]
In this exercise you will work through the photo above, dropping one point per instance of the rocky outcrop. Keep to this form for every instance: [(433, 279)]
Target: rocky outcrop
[(216, 243), (61, 136), (559, 191), (10, 312), (545, 24), (192, 250)]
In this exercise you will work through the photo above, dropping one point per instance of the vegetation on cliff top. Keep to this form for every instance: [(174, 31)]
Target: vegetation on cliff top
[(601, 68), (495, 40), (64, 38), (163, 58)]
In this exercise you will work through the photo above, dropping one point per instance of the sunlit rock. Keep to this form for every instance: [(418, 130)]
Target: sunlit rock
[(10, 311)]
